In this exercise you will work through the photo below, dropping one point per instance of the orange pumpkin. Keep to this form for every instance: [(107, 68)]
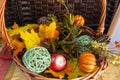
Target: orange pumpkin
[(79, 20), (87, 61)]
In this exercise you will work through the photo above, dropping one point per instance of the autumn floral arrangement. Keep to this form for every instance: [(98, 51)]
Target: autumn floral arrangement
[(64, 49)]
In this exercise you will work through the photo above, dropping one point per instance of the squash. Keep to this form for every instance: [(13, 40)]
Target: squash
[(87, 61), (79, 20)]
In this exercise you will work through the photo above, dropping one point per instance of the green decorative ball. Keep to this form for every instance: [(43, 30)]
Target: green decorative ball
[(37, 59), (84, 40), (84, 49)]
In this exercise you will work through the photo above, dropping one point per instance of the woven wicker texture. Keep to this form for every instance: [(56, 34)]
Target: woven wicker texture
[(28, 11)]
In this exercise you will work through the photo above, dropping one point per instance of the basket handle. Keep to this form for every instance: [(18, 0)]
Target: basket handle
[(2, 23), (101, 27), (99, 30)]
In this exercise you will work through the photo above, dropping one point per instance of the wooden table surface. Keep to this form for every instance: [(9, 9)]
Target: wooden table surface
[(112, 73)]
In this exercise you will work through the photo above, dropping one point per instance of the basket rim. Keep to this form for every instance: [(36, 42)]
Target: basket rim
[(93, 75)]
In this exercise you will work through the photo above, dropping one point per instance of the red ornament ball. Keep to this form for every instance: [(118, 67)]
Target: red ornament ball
[(58, 62)]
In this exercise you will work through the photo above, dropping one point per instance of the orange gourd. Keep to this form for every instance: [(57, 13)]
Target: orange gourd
[(79, 20), (87, 61)]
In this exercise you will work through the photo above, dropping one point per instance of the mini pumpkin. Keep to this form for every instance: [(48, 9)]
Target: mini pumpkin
[(79, 20), (87, 61)]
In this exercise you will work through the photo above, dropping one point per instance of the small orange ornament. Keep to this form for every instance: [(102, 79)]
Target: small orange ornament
[(79, 20), (87, 61), (69, 68)]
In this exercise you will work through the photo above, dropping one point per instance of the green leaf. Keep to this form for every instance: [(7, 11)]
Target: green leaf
[(76, 70), (71, 19)]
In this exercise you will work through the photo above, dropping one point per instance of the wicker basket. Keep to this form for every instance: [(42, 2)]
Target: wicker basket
[(28, 11)]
